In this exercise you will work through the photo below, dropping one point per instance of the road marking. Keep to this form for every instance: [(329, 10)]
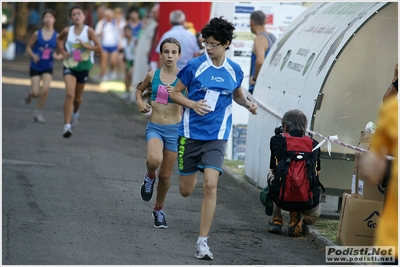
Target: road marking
[(102, 87), (21, 162)]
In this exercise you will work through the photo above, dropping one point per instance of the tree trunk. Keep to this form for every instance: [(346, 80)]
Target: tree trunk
[(21, 21)]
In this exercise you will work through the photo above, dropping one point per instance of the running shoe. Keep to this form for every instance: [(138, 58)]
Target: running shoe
[(38, 117), (74, 119), (104, 78), (159, 219), (146, 191), (203, 251), (28, 98), (67, 131), (126, 96), (113, 76)]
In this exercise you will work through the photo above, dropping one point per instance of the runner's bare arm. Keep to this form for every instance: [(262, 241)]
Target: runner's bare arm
[(60, 42), (92, 36), (240, 98), (200, 107), (143, 107), (31, 42)]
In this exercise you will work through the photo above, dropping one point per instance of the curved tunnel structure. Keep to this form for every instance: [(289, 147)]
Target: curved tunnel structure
[(334, 62)]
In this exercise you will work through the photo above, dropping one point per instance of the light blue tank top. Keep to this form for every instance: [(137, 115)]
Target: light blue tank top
[(156, 82)]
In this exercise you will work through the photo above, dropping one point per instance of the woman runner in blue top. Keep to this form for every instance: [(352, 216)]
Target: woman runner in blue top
[(41, 48), (212, 81), (162, 128)]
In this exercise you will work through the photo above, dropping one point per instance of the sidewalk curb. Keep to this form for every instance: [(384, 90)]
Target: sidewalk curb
[(318, 238), (311, 232)]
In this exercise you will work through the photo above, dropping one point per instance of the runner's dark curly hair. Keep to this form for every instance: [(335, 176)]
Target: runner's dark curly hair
[(220, 29)]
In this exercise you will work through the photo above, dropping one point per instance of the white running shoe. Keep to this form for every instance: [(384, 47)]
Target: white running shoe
[(39, 118), (113, 76), (67, 131), (74, 119), (126, 96), (203, 251), (104, 78)]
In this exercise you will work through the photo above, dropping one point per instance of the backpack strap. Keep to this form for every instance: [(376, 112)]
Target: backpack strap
[(321, 185)]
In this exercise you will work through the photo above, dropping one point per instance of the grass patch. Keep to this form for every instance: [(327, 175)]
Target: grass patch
[(327, 228), (235, 166)]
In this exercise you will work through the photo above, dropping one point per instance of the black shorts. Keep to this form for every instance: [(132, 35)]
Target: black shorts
[(81, 76), (196, 155), (33, 72)]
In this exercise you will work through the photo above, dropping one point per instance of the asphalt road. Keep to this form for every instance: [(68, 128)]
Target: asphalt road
[(77, 201)]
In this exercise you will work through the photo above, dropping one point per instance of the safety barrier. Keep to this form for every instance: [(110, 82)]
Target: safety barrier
[(328, 138)]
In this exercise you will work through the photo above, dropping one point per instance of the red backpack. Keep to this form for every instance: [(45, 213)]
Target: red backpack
[(295, 183)]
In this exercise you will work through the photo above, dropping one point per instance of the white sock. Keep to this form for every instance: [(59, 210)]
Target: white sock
[(75, 114), (202, 239), (68, 125)]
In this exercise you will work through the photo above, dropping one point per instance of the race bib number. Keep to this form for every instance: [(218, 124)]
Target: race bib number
[(162, 95), (211, 99), (76, 54), (46, 53)]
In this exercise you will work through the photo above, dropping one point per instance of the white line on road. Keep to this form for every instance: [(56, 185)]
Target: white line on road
[(25, 110), (102, 87), (20, 162)]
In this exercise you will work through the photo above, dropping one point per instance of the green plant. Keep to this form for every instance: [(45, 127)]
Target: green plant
[(327, 228), (236, 167)]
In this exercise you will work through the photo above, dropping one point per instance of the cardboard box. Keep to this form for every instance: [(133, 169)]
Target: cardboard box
[(353, 185), (361, 188), (358, 221), (369, 191), (365, 140)]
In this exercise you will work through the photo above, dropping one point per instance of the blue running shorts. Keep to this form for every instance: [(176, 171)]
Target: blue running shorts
[(167, 133)]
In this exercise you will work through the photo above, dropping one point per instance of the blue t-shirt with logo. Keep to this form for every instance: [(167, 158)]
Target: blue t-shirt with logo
[(200, 75)]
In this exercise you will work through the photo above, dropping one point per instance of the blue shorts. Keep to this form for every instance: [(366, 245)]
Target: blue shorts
[(168, 134), (81, 76), (110, 49)]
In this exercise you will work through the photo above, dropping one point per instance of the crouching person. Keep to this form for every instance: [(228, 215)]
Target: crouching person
[(289, 178)]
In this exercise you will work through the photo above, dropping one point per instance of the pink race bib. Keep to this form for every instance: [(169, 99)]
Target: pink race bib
[(76, 54), (162, 95), (46, 53)]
